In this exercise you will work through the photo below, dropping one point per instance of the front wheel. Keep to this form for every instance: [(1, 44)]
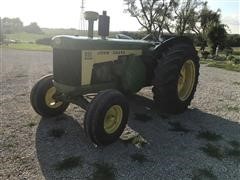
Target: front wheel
[(42, 98), (176, 78), (106, 117)]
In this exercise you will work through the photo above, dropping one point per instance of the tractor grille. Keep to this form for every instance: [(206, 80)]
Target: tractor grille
[(67, 66)]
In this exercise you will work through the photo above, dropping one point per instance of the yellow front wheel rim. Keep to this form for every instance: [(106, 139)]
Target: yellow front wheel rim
[(186, 80), (49, 100), (113, 119)]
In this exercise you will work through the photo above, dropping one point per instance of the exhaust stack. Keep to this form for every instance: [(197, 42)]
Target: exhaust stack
[(91, 16), (103, 25)]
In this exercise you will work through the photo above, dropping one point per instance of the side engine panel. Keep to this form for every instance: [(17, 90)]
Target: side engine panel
[(128, 73), (92, 57), (102, 73)]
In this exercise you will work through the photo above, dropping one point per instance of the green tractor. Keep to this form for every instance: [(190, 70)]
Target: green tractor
[(113, 68)]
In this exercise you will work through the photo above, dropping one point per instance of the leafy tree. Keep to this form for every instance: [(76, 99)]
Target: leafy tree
[(205, 19), (134, 35), (217, 37), (11, 25), (152, 15), (184, 16), (233, 40), (44, 41), (33, 28)]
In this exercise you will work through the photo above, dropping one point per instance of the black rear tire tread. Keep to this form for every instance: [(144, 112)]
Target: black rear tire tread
[(167, 72)]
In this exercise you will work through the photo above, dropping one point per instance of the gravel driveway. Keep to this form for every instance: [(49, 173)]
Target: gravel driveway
[(202, 143)]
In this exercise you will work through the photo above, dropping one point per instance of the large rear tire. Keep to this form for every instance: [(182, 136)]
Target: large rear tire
[(176, 78), (106, 117), (42, 98)]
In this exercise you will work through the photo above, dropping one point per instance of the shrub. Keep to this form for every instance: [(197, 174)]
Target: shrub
[(230, 58), (236, 60), (44, 41), (233, 59), (219, 58), (33, 28), (236, 53), (205, 54), (228, 51)]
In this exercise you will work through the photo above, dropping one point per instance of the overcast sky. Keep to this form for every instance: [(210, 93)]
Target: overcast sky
[(66, 13)]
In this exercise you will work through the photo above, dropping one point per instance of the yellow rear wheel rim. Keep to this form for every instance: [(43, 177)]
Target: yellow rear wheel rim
[(50, 101), (186, 80), (113, 119)]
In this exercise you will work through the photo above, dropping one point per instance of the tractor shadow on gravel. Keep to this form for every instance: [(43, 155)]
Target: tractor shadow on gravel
[(176, 147)]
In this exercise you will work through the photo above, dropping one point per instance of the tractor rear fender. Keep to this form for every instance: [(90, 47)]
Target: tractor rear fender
[(169, 42)]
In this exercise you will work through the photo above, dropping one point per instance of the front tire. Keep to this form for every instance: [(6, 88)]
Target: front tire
[(106, 117), (42, 98), (176, 78)]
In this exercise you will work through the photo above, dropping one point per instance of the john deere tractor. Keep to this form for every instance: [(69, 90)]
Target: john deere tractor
[(113, 68)]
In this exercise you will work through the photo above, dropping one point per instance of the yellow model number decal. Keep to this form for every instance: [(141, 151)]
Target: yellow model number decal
[(91, 57)]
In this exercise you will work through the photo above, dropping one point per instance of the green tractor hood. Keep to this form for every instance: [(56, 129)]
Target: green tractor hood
[(85, 43)]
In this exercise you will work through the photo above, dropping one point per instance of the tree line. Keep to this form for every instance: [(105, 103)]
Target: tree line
[(182, 17), (15, 25), (160, 17)]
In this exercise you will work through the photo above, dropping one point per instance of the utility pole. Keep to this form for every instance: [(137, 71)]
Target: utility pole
[(1, 31), (82, 26)]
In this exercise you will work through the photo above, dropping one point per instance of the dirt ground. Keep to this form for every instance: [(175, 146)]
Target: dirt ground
[(202, 143)]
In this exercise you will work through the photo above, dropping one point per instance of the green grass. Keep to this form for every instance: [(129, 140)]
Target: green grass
[(213, 151), (26, 37), (137, 141), (236, 83), (142, 117), (139, 157), (176, 126), (205, 61), (231, 108), (202, 174), (225, 65), (8, 145), (210, 136), (236, 51), (236, 48), (57, 133), (233, 152), (28, 47), (47, 33), (103, 171), (69, 163), (31, 124), (54, 32), (234, 144)]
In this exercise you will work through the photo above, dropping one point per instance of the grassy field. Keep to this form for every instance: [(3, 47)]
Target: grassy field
[(27, 40), (26, 37), (47, 33), (228, 65), (31, 37), (236, 49), (225, 65), (54, 32), (28, 46)]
